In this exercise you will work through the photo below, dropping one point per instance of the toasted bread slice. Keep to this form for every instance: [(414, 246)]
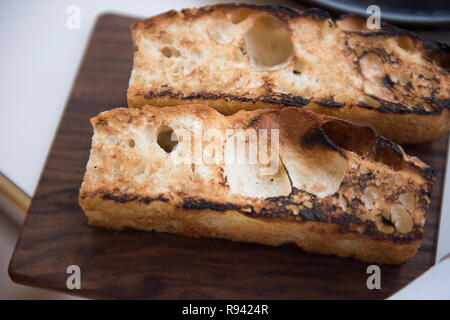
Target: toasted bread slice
[(337, 188), (235, 57)]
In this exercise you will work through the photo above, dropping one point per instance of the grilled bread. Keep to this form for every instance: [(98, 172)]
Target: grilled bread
[(234, 57), (328, 185)]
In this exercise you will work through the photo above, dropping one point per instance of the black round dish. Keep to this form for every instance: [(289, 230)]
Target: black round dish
[(410, 13)]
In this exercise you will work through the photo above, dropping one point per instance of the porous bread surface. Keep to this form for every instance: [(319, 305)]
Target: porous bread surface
[(235, 57), (339, 188)]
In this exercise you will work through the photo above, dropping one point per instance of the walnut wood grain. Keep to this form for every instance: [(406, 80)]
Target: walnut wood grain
[(133, 264)]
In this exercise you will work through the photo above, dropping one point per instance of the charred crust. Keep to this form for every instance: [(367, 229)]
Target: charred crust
[(282, 12), (347, 221), (147, 200), (444, 103), (316, 13), (130, 197), (429, 173), (391, 107), (285, 99), (281, 207), (202, 204), (362, 183), (278, 98), (312, 215), (317, 213), (387, 81), (279, 10), (330, 103), (121, 199), (298, 101), (421, 76), (437, 51), (387, 144)]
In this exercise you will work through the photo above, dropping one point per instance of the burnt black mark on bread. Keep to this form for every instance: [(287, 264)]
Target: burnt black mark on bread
[(299, 101), (281, 11), (123, 198), (330, 103), (391, 107), (387, 81), (435, 50), (201, 204), (387, 144), (431, 49), (317, 213), (287, 208), (278, 98), (429, 173), (316, 13), (438, 51), (120, 198), (351, 137), (147, 200)]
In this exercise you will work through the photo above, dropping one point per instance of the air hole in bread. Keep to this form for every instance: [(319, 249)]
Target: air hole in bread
[(404, 78), (401, 219), (354, 139), (240, 15), (408, 202), (169, 52), (221, 33), (269, 44), (299, 65), (131, 143), (369, 197), (254, 170), (363, 141), (167, 139), (406, 43), (372, 66)]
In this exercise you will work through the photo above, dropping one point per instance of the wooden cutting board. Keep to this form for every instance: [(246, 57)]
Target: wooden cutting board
[(134, 264)]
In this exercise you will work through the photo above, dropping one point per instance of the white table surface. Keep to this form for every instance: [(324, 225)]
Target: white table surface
[(39, 60)]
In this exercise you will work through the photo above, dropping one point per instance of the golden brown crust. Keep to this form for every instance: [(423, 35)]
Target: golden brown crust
[(340, 189), (389, 79), (312, 236)]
